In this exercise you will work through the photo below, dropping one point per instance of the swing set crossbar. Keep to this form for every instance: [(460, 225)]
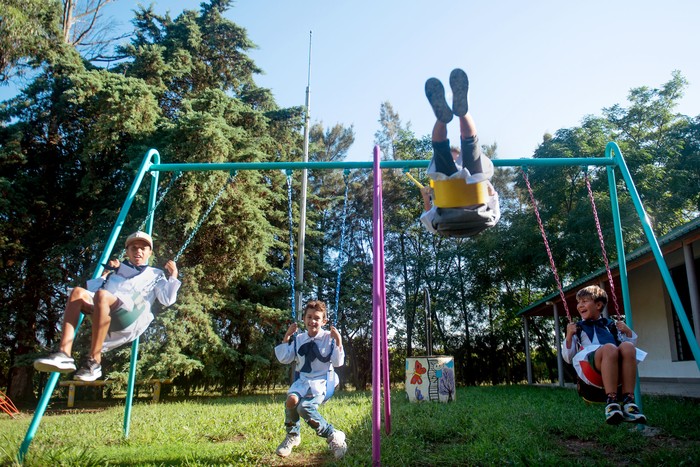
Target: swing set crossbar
[(402, 164)]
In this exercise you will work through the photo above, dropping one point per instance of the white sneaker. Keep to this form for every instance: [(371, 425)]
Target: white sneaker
[(336, 443), (55, 362), (633, 414), (286, 446)]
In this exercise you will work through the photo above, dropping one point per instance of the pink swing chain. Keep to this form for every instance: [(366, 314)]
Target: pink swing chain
[(602, 246), (546, 245)]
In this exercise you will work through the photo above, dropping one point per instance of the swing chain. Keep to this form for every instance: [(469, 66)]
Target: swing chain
[(343, 229), (292, 293), (230, 179), (546, 245), (602, 245), (173, 179), (165, 191)]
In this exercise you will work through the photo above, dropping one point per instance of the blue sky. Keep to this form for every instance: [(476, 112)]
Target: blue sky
[(534, 66)]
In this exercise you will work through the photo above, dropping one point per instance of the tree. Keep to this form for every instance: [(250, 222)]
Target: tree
[(28, 28), (650, 134), (391, 131), (68, 157), (83, 27)]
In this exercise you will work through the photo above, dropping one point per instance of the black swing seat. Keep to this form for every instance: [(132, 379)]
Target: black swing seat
[(463, 222), (461, 209)]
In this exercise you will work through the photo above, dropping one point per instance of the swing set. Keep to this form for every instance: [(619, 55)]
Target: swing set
[(380, 361), (587, 392)]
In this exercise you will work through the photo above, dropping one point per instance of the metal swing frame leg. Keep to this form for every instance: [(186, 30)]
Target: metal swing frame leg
[(151, 157)]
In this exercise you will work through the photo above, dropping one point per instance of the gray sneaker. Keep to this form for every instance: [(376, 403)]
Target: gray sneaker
[(289, 443), (337, 444), (632, 413), (435, 92), (90, 371), (460, 92), (55, 362)]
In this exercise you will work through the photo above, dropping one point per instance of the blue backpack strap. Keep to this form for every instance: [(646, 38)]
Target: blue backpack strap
[(612, 327), (330, 381)]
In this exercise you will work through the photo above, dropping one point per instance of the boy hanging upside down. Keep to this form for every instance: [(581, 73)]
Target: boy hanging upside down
[(466, 163)]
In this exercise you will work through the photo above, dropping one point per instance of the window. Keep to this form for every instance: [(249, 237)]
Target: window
[(682, 352)]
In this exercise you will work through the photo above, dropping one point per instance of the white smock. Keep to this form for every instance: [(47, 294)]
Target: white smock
[(313, 372), (136, 292)]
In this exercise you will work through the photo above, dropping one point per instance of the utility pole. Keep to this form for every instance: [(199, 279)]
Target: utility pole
[(304, 179)]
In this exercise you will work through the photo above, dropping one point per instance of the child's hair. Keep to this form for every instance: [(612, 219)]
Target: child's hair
[(594, 292), (316, 305)]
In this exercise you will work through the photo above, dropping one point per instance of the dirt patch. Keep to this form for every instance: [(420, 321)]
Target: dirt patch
[(297, 460), (593, 450), (585, 449)]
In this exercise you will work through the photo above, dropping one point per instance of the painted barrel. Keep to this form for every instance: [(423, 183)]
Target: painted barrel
[(430, 378)]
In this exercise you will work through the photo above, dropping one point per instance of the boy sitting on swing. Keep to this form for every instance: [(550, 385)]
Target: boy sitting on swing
[(604, 354), (466, 163), (120, 305), (315, 352)]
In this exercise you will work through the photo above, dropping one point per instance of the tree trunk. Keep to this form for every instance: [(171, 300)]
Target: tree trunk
[(68, 20), (20, 388)]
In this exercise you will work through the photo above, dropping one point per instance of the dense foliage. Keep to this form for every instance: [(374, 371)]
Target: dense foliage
[(71, 140)]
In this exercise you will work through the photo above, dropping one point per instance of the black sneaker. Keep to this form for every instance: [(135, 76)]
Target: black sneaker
[(55, 362), (613, 414), (435, 92), (90, 371), (460, 92)]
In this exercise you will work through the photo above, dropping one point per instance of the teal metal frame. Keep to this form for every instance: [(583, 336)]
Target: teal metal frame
[(151, 163)]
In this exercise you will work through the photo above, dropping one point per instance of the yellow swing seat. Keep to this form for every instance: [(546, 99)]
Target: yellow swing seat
[(455, 193)]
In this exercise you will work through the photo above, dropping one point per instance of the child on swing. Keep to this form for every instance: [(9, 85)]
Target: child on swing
[(604, 355), (465, 162), (315, 352), (120, 305)]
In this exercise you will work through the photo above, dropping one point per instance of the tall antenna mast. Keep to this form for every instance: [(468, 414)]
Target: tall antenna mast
[(304, 179)]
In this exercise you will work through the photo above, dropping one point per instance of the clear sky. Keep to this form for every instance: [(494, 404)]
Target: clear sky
[(534, 66)]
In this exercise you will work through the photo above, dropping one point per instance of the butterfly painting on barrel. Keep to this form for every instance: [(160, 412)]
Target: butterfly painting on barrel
[(418, 373)]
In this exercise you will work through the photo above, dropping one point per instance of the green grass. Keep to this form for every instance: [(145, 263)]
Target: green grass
[(512, 425)]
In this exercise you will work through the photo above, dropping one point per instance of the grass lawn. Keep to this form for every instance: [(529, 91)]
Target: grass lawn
[(513, 425)]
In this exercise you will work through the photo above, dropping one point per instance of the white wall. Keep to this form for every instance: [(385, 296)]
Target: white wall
[(651, 313)]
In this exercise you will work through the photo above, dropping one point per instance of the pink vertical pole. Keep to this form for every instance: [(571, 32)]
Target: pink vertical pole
[(377, 300), (384, 334)]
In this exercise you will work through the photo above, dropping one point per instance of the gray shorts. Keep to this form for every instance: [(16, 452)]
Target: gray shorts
[(470, 155)]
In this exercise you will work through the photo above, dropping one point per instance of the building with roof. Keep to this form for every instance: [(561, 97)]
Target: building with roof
[(670, 367)]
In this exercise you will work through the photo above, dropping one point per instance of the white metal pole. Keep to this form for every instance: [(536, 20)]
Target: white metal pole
[(302, 208), (557, 338)]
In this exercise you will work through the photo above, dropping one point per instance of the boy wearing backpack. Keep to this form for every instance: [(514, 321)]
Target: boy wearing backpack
[(604, 355)]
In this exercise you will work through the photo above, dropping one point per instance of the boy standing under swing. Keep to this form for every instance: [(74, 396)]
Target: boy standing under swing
[(120, 305), (315, 352), (604, 354)]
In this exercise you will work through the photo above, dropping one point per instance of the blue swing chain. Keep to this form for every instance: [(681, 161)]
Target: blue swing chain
[(343, 228), (291, 246), (230, 179), (173, 179), (152, 285)]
